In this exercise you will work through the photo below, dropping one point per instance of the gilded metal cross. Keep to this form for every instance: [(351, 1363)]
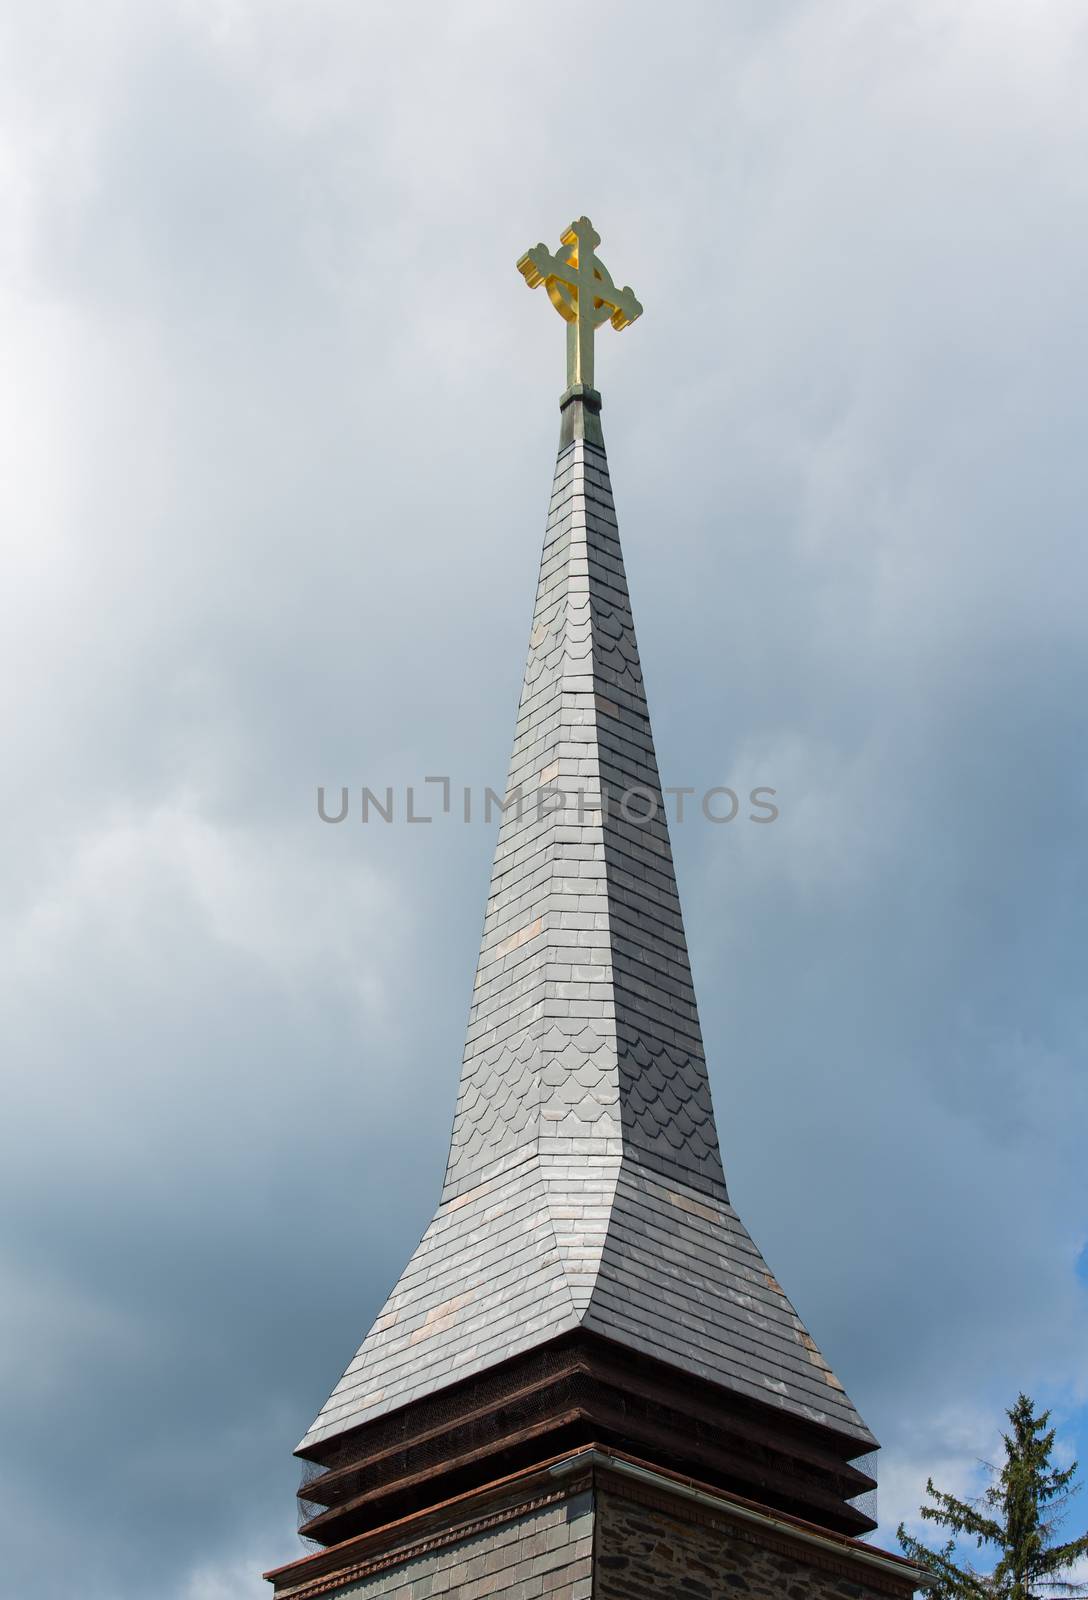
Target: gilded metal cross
[(582, 292)]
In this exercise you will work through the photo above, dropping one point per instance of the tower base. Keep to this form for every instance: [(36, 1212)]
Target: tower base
[(598, 1525)]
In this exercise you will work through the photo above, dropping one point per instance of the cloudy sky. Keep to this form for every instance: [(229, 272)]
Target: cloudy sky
[(277, 425)]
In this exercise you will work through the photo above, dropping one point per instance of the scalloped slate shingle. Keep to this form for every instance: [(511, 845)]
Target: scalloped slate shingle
[(584, 1184)]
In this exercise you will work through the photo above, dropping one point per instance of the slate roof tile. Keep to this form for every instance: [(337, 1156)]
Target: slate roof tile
[(584, 1185)]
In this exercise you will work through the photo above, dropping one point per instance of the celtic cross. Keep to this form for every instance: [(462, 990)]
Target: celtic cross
[(581, 290)]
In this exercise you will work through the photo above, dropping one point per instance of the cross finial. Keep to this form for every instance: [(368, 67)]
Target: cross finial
[(581, 290)]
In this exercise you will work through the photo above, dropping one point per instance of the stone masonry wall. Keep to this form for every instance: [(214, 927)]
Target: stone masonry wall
[(645, 1551)]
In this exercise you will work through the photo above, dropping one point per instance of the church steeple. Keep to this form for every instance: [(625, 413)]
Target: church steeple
[(583, 1038), (585, 1280), (584, 1186)]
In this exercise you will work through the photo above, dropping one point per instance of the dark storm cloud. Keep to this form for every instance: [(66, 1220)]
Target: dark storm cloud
[(275, 473)]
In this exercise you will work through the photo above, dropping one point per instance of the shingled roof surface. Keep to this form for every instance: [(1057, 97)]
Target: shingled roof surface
[(584, 1185)]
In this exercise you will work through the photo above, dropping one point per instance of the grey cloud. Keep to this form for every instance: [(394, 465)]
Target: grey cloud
[(285, 421)]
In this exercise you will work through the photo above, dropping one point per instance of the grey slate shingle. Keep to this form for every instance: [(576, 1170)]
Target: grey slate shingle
[(584, 1185)]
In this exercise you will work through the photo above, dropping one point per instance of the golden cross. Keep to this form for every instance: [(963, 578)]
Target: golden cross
[(582, 292)]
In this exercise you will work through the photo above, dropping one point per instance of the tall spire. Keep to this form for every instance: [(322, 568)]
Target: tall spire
[(583, 1037), (586, 1381), (584, 1186)]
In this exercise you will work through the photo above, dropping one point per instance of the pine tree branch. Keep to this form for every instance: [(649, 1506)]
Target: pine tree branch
[(952, 1581), (960, 1516), (1062, 1555)]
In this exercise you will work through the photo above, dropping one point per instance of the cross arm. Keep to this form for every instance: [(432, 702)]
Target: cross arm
[(538, 265)]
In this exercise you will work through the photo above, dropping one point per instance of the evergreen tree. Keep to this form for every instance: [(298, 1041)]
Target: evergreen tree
[(1019, 1514)]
